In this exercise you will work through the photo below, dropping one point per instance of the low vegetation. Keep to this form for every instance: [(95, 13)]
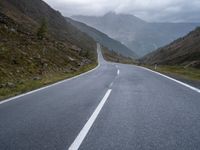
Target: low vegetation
[(31, 57), (24, 85), (188, 73), (184, 51), (115, 57), (42, 30)]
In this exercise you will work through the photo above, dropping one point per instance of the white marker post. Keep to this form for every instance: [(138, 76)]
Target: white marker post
[(155, 67)]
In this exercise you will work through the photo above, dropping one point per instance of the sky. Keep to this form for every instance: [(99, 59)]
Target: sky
[(149, 10)]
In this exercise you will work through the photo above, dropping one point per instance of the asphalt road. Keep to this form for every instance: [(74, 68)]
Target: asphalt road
[(116, 107)]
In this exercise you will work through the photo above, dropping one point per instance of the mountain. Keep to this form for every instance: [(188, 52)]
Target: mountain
[(184, 51), (103, 39), (36, 42), (140, 36), (32, 13)]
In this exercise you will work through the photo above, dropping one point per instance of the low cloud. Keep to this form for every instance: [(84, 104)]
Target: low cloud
[(149, 10)]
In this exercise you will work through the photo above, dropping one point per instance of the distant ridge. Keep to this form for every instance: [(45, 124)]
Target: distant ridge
[(103, 39), (138, 35)]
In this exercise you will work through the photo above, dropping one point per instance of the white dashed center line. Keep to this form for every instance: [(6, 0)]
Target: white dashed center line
[(81, 136)]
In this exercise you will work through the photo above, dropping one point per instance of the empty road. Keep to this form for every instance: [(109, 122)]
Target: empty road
[(114, 107)]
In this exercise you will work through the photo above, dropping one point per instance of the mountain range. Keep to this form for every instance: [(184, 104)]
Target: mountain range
[(103, 39), (138, 35)]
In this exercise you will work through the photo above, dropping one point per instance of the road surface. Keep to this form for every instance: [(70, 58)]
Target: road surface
[(114, 107)]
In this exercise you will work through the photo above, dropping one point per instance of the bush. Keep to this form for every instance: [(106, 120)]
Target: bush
[(42, 30)]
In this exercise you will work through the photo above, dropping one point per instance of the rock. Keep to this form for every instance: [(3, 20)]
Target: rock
[(74, 47), (10, 85), (2, 85), (86, 61), (74, 69), (44, 61), (194, 64), (38, 56), (82, 64), (5, 26), (12, 30), (37, 78), (14, 61), (67, 70), (20, 82), (70, 58), (45, 65)]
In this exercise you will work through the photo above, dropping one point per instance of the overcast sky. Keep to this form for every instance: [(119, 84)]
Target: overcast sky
[(149, 10)]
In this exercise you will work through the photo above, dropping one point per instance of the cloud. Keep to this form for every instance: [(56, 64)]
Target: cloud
[(150, 10)]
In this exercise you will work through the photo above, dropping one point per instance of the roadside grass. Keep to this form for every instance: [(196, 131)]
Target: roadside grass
[(181, 71), (29, 85)]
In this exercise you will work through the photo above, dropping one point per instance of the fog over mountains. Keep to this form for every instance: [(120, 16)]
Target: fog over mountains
[(138, 35), (103, 39)]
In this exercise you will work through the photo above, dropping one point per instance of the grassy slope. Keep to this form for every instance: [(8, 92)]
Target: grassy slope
[(27, 63), (26, 85), (180, 58), (184, 51), (31, 13), (179, 71)]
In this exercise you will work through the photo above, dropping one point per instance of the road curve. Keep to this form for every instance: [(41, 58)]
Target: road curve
[(115, 107)]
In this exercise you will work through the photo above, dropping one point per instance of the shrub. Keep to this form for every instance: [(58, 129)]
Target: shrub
[(42, 30)]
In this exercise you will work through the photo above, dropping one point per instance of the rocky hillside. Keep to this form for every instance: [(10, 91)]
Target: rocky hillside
[(103, 39), (31, 13), (138, 35), (184, 51), (36, 43)]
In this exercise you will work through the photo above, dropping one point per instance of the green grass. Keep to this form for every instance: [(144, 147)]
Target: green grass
[(29, 85), (186, 73)]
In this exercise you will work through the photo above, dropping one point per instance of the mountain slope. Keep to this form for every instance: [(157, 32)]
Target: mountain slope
[(103, 39), (184, 51), (28, 61), (32, 13), (140, 36)]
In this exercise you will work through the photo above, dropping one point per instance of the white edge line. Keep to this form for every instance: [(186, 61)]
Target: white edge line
[(84, 131), (48, 86), (118, 72), (177, 81)]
